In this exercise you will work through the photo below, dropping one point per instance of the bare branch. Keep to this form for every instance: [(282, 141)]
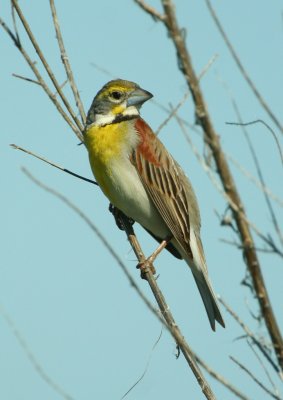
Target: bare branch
[(14, 146), (26, 79), (260, 121), (171, 324), (66, 63), (257, 381), (150, 10), (241, 67), (221, 379)]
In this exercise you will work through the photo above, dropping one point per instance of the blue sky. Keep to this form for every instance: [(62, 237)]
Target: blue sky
[(61, 287)]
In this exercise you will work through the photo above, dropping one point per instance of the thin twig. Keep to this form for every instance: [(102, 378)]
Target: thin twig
[(32, 359), (14, 146), (241, 67), (207, 66), (257, 381), (259, 185), (260, 121), (46, 65), (66, 63), (26, 79), (172, 113), (221, 379)]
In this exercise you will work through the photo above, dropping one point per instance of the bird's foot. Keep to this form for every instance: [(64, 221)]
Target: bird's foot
[(119, 216), (147, 265)]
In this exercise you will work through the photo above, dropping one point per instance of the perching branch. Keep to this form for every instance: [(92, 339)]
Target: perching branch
[(167, 315)]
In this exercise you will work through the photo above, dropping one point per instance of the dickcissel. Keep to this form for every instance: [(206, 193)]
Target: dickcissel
[(141, 178)]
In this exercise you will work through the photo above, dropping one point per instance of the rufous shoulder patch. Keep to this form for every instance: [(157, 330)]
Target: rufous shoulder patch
[(147, 146)]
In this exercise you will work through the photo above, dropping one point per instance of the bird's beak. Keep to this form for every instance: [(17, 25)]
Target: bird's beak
[(138, 97)]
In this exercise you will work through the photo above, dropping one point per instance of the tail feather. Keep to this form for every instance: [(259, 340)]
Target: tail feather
[(209, 299)]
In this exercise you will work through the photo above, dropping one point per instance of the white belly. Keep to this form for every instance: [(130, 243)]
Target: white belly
[(130, 197)]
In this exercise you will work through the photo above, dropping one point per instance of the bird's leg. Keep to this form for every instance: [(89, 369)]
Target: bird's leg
[(148, 262)]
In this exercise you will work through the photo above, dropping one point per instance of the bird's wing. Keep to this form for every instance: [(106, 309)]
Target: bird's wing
[(167, 186)]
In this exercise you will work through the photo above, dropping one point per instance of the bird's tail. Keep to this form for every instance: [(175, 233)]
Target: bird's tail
[(208, 298)]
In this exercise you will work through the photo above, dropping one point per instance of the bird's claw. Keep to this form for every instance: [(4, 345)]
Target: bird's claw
[(144, 267)]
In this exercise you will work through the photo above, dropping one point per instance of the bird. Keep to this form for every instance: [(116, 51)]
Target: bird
[(140, 178)]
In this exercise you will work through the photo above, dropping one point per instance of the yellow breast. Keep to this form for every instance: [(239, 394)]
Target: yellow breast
[(104, 145)]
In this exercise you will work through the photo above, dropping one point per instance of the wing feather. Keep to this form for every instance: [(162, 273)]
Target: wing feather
[(167, 185)]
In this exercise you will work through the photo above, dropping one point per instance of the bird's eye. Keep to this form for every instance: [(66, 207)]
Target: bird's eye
[(116, 95)]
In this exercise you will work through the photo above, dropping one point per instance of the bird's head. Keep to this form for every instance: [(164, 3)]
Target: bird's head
[(117, 101)]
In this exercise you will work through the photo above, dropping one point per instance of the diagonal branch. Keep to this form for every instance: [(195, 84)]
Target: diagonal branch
[(170, 322), (212, 139)]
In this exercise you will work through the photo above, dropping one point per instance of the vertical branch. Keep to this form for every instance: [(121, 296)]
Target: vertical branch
[(212, 139)]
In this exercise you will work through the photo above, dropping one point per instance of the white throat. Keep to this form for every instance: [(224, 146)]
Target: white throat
[(106, 119)]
